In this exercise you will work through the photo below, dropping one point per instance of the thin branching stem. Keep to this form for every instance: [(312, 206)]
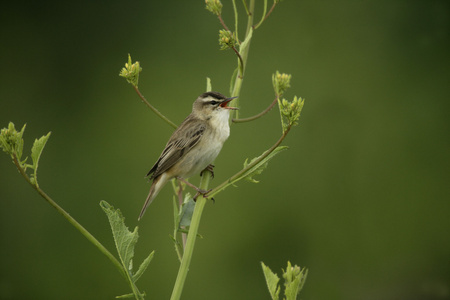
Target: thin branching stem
[(224, 184), (71, 220), (246, 7), (159, 114), (241, 62), (266, 16), (263, 15), (258, 115), (223, 23)]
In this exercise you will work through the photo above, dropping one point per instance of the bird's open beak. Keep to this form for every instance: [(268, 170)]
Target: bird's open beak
[(225, 103)]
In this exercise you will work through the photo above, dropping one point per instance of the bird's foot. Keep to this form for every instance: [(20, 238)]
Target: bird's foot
[(204, 193), (210, 169)]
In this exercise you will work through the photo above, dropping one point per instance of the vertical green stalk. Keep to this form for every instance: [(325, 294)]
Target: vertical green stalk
[(201, 201), (191, 238), (244, 55)]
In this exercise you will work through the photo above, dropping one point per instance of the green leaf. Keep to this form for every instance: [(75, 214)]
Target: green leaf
[(37, 148), (187, 210), (246, 42), (272, 280), (294, 278), (125, 241), (36, 152), (208, 84), (143, 266), (233, 81), (19, 141), (125, 296), (252, 168), (260, 166)]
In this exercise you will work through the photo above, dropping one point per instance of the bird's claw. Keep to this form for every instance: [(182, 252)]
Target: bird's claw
[(210, 169), (203, 193)]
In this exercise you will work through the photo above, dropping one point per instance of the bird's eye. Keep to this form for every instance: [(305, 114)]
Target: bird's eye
[(213, 102)]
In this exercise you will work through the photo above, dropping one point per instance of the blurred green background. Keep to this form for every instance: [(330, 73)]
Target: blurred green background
[(361, 198)]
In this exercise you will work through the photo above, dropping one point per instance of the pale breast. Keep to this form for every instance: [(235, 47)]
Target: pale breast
[(206, 151)]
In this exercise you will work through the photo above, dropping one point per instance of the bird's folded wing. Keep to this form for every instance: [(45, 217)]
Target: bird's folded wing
[(181, 142)]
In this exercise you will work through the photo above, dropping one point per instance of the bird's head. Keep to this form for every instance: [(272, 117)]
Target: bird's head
[(210, 104)]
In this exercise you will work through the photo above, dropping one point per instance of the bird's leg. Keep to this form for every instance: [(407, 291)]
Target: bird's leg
[(209, 168), (199, 191), (180, 194)]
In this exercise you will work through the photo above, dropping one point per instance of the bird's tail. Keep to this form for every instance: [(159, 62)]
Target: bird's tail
[(157, 185)]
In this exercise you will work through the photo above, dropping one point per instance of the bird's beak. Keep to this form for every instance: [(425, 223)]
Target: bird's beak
[(225, 103)]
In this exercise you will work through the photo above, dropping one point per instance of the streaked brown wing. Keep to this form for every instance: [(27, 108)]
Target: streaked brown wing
[(181, 142)]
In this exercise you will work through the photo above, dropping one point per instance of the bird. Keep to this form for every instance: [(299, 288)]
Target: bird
[(194, 145)]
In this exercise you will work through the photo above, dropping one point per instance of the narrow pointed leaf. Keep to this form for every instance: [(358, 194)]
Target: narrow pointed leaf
[(20, 142), (36, 152), (208, 84), (143, 266), (259, 167), (272, 280), (252, 168), (233, 81), (246, 42), (126, 296)]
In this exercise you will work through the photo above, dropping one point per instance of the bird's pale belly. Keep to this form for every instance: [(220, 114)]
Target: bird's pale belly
[(199, 158), (204, 154)]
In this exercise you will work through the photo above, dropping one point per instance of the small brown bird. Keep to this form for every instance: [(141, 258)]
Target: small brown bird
[(194, 145)]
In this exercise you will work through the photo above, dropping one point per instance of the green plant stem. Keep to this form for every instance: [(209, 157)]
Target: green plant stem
[(243, 55), (258, 115), (191, 238), (71, 220), (245, 6), (224, 184), (241, 67), (223, 23), (265, 16), (157, 112), (236, 19), (201, 200)]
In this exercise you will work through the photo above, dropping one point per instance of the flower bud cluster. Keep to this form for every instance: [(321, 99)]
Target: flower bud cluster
[(281, 82), (290, 111), (11, 140), (131, 72), (227, 39), (214, 6)]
